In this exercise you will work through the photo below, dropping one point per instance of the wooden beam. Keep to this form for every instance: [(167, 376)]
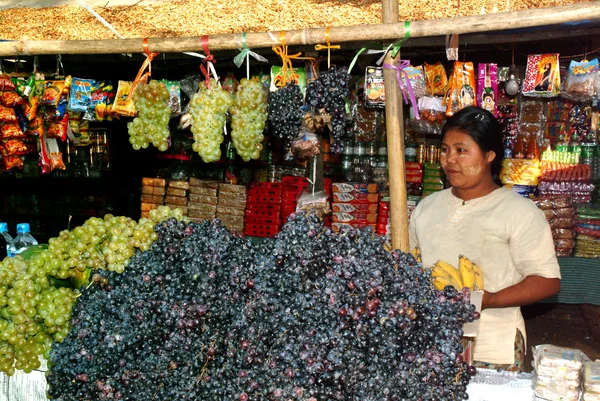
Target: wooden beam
[(394, 124), (309, 36)]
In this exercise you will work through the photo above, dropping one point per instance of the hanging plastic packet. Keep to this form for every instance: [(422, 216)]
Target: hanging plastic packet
[(30, 108), (13, 147), (10, 99), (436, 79), (580, 83), (432, 109), (98, 107), (6, 83), (542, 77), (230, 83), (7, 114), (462, 90), (374, 87), (80, 96), (58, 129), (293, 76), (487, 87), (175, 97), (12, 162), (35, 127), (55, 154), (45, 162), (11, 131), (123, 105), (51, 92), (416, 76), (307, 144)]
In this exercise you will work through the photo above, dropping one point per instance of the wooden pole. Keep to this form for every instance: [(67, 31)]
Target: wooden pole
[(394, 124), (389, 30)]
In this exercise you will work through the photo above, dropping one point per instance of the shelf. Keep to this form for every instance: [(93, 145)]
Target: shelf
[(57, 186)]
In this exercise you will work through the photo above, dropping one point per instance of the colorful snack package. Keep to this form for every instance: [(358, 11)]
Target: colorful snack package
[(58, 129), (123, 105), (462, 90), (80, 97), (175, 92), (11, 131), (30, 108), (580, 83), (45, 162), (230, 83), (374, 87), (13, 147), (84, 134), (55, 154), (542, 77), (436, 79), (6, 83), (487, 87), (416, 77), (97, 110), (52, 92), (11, 162), (35, 127), (10, 99), (7, 114)]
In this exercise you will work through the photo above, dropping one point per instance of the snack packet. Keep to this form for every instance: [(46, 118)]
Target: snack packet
[(6, 84), (487, 87), (51, 92), (35, 127), (11, 131), (416, 76), (123, 105), (10, 99), (11, 162), (13, 147), (175, 97), (436, 79), (580, 83), (374, 87), (98, 107), (30, 108), (58, 129), (462, 90), (80, 96)]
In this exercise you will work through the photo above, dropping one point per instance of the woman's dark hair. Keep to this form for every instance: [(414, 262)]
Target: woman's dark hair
[(483, 128)]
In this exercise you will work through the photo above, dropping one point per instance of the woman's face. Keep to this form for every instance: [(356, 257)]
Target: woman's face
[(463, 161)]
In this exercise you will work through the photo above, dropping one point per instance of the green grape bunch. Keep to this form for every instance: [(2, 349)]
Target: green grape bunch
[(209, 108), (248, 118), (151, 126)]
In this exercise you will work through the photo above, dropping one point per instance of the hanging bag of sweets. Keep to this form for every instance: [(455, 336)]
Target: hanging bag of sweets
[(487, 87), (436, 79), (580, 83), (462, 89), (542, 77)]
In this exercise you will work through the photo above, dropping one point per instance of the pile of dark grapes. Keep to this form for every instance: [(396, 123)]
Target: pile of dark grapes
[(311, 315), (330, 92), (285, 111)]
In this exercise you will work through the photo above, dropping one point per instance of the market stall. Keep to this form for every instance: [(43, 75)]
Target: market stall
[(247, 282)]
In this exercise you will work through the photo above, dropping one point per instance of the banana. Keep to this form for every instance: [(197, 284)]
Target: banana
[(465, 267), (478, 277), (441, 282), (416, 252), (450, 271)]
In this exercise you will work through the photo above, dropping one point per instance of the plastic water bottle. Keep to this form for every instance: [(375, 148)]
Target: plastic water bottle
[(23, 240), (7, 238)]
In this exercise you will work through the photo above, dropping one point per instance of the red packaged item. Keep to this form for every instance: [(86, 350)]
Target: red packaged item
[(35, 127), (352, 207), (355, 187), (58, 129), (261, 230), (267, 207), (10, 99), (55, 154), (7, 114), (363, 218), (45, 162), (11, 162), (356, 197), (11, 131), (6, 84), (13, 147)]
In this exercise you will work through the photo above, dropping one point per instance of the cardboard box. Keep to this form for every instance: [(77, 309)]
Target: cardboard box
[(209, 200), (338, 226), (354, 207), (176, 200), (197, 214), (354, 217), (355, 187), (176, 192), (179, 184), (232, 195), (238, 204), (152, 199), (240, 189), (226, 210), (202, 207)]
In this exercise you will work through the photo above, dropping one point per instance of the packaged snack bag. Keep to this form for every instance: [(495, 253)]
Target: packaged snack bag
[(435, 78), (374, 87), (7, 114), (11, 131), (487, 87), (123, 105), (10, 99), (80, 96), (51, 92), (580, 83), (542, 77), (462, 90)]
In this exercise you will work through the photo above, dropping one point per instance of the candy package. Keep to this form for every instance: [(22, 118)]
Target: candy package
[(11, 162), (432, 109), (542, 77), (55, 154), (58, 129), (30, 107), (7, 114), (580, 83), (374, 87), (80, 96), (230, 83), (175, 97), (11, 131), (13, 147), (123, 105), (487, 87), (10, 99), (102, 97), (462, 88), (435, 78), (591, 377), (6, 83), (416, 78), (51, 92)]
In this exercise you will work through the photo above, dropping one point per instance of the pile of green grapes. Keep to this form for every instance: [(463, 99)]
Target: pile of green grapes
[(35, 304), (151, 126), (248, 118), (209, 109)]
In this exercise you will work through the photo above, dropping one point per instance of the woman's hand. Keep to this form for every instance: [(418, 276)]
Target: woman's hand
[(530, 290)]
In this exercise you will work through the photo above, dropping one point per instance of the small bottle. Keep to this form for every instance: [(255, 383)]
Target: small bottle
[(8, 240), (23, 240)]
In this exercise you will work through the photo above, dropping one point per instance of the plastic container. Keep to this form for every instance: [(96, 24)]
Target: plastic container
[(7, 237), (23, 240)]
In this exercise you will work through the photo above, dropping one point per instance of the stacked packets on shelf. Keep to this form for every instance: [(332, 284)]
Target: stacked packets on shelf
[(560, 213), (591, 381), (587, 227), (354, 204), (433, 180), (153, 193), (231, 205), (177, 195), (563, 174), (202, 199), (558, 372), (263, 210)]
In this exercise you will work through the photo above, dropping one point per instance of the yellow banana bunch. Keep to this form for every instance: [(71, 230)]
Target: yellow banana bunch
[(416, 252), (468, 274), (443, 274)]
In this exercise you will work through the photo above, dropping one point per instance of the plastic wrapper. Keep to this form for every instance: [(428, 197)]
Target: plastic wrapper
[(6, 83), (374, 87), (416, 77), (230, 83), (176, 192), (175, 97), (7, 114), (101, 100), (542, 76), (590, 397), (553, 202), (80, 95), (520, 171), (564, 243), (551, 393), (487, 87), (565, 363), (591, 377), (548, 381), (11, 131), (13, 147), (554, 171), (12, 162), (30, 107), (462, 88), (431, 109), (10, 99), (435, 78), (230, 211), (317, 203), (563, 233), (532, 111), (203, 191), (55, 154), (562, 222), (35, 127), (566, 187), (51, 92), (590, 232), (58, 129), (123, 105), (306, 145), (202, 207), (580, 83)]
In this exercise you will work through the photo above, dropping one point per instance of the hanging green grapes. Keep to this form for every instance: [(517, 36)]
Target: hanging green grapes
[(248, 119), (208, 108), (151, 126)]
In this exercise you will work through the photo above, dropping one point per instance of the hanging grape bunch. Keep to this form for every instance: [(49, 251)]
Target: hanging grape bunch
[(206, 315), (329, 92), (248, 118), (208, 108), (151, 126), (285, 111)]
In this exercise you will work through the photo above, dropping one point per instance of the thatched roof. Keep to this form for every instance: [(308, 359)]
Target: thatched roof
[(179, 18)]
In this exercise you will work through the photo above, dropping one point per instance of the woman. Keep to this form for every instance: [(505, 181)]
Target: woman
[(504, 233), (546, 79)]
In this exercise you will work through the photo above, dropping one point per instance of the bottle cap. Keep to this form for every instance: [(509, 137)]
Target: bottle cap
[(3, 228), (22, 228)]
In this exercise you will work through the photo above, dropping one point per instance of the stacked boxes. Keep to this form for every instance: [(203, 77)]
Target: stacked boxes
[(355, 205), (176, 197), (153, 193), (231, 204), (202, 199), (263, 210), (414, 178), (384, 224)]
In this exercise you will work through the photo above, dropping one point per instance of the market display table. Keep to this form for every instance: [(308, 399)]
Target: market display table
[(580, 282)]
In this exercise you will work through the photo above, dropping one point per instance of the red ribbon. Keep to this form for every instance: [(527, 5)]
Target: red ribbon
[(141, 77), (209, 59)]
